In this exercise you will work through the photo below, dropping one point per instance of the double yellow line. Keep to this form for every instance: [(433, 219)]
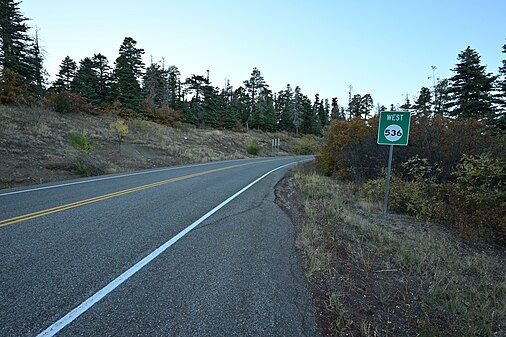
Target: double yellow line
[(65, 207)]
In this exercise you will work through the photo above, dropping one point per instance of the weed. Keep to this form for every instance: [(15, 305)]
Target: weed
[(253, 148), (80, 142), (5, 182)]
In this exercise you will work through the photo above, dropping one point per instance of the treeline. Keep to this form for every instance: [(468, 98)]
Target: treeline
[(154, 92)]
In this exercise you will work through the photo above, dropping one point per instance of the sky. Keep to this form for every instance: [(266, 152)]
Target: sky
[(382, 47)]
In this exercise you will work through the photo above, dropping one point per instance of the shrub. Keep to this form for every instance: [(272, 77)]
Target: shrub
[(253, 148), (87, 166), (305, 145), (80, 142), (120, 129), (67, 102), (13, 89), (167, 116), (351, 152)]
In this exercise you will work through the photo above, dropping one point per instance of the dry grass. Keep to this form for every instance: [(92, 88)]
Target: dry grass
[(424, 277), (35, 145)]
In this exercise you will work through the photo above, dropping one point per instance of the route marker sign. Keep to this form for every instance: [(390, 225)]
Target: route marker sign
[(394, 128)]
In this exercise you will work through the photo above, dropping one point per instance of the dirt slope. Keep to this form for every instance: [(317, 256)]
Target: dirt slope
[(35, 146)]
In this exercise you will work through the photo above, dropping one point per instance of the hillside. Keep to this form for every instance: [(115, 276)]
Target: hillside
[(35, 145)]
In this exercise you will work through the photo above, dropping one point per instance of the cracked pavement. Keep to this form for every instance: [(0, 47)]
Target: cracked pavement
[(236, 274)]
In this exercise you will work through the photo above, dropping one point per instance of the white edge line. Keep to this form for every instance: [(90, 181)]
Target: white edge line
[(88, 303), (115, 177)]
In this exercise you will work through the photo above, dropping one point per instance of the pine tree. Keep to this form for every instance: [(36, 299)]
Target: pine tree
[(441, 97), (133, 55), (500, 118), (37, 60), (85, 82), (471, 87), (423, 103), (66, 74), (254, 86), (154, 80), (103, 75), (501, 83), (173, 87), (324, 113), (15, 41), (354, 107), (126, 87), (127, 72), (366, 105), (335, 112), (298, 109), (212, 107), (285, 109)]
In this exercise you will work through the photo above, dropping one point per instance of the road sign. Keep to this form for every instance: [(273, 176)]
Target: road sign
[(394, 128)]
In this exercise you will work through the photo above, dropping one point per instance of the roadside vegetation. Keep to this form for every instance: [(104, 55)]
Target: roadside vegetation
[(373, 276)]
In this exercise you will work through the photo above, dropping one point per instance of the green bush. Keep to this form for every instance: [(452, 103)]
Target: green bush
[(86, 165), (253, 148), (306, 145), (80, 142), (62, 102)]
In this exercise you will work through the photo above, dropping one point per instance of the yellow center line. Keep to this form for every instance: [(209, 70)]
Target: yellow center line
[(75, 204)]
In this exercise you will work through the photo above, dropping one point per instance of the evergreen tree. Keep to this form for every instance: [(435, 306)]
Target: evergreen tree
[(471, 87), (310, 122), (355, 106), (442, 97), (126, 88), (103, 75), (500, 118), (229, 117), (15, 52), (173, 87), (336, 111), (154, 80), (423, 103), (271, 117), (324, 113), (213, 107), (133, 55), (39, 73), (366, 105), (66, 74), (298, 109), (126, 74), (241, 105), (285, 109), (85, 82), (254, 86)]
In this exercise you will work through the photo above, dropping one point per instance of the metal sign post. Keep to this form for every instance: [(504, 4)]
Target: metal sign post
[(393, 130), (275, 146)]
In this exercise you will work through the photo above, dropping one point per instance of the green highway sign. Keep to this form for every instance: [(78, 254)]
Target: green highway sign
[(394, 128)]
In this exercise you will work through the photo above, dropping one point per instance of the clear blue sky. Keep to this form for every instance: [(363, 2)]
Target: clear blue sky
[(384, 47)]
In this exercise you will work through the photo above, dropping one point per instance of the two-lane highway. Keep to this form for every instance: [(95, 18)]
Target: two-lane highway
[(194, 250)]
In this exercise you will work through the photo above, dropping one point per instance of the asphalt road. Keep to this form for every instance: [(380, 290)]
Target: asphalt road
[(80, 258)]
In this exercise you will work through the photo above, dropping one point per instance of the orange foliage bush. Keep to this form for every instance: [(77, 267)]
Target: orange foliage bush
[(13, 90), (452, 171), (167, 116)]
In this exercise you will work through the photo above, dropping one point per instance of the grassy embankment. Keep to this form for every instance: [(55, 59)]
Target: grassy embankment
[(373, 276)]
